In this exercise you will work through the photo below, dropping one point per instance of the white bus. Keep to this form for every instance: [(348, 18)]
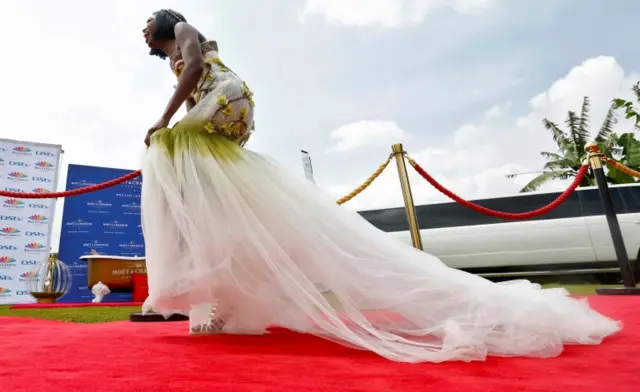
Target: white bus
[(572, 239)]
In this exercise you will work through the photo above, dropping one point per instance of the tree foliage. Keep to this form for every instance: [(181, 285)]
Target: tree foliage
[(571, 142)]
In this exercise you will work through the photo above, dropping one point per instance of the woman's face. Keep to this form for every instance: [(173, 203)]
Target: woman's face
[(149, 30)]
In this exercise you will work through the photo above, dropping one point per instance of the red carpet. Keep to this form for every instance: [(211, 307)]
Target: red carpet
[(73, 305), (45, 356)]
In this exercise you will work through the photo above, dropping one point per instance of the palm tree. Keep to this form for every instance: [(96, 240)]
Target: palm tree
[(565, 163), (628, 152), (629, 110)]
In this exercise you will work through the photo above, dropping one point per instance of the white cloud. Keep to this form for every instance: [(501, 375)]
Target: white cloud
[(466, 133), (387, 13), (600, 78), (470, 133), (496, 111), (365, 134), (475, 161)]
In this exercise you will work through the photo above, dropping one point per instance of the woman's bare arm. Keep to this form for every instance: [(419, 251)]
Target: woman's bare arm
[(187, 39)]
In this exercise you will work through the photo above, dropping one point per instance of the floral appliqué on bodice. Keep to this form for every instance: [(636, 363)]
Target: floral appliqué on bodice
[(231, 118)]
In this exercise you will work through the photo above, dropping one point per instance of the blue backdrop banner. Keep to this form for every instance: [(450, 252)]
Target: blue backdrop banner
[(106, 221)]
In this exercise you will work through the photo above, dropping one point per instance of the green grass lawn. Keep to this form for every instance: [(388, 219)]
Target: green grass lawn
[(105, 314), (79, 315)]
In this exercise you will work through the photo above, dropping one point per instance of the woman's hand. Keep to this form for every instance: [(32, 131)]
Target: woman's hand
[(162, 123)]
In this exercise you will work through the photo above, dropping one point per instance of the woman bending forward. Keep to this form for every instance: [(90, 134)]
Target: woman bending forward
[(240, 245)]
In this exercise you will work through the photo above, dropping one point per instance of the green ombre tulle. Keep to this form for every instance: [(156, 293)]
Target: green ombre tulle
[(193, 137)]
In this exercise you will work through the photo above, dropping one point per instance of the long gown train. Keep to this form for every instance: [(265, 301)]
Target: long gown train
[(226, 227)]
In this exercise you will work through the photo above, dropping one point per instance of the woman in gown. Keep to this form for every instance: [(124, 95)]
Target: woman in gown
[(240, 245)]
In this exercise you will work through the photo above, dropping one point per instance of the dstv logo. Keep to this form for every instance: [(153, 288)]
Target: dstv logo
[(22, 292), (18, 163), (40, 179), (8, 247), (13, 190), (34, 234), (8, 218), (39, 206), (45, 154), (28, 262), (5, 278)]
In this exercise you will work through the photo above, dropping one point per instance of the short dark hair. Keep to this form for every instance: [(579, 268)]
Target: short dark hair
[(166, 21)]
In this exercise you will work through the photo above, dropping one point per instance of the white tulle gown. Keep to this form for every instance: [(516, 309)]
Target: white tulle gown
[(228, 231)]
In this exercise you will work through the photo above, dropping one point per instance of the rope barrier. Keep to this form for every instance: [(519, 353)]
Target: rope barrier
[(72, 192), (367, 182), (132, 175), (621, 167), (499, 214), (504, 215)]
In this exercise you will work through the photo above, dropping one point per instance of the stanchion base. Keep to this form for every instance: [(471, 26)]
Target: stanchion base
[(138, 317), (618, 291)]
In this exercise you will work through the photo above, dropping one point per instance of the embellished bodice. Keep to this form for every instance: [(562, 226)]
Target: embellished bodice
[(222, 99), (176, 62), (215, 72)]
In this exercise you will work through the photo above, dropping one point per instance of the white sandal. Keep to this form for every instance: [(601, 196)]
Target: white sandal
[(213, 325)]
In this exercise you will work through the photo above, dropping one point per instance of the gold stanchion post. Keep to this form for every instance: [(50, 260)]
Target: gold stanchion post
[(410, 208), (628, 278)]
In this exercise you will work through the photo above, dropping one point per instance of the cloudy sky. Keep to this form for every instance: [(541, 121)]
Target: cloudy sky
[(464, 84)]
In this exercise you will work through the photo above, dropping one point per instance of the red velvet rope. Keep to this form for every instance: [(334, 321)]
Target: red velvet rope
[(72, 192), (476, 207), (499, 214)]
